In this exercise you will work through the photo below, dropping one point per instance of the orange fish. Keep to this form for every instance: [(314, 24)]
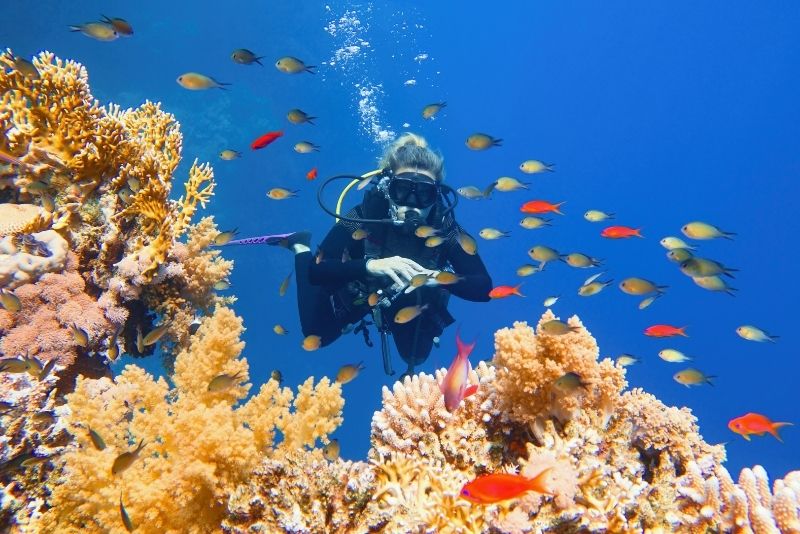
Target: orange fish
[(620, 232), (500, 292), (311, 174), (540, 206), (496, 487), (265, 139), (454, 385), (755, 423), (665, 330)]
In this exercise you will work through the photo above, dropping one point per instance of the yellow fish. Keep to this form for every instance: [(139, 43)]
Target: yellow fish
[(223, 238), (434, 241), (243, 56), (481, 141), (429, 111), (624, 360), (26, 68), (14, 365), (331, 451), (555, 327), (493, 233), (49, 366), (97, 441), (418, 280), (79, 335), (312, 342), (597, 216), (640, 286), (506, 184), (699, 267), (752, 333), (582, 261), (532, 223), (549, 301), (155, 334), (470, 192), (714, 283), (425, 231), (122, 26), (292, 65), (134, 184), (467, 243), (126, 459), (10, 301), (679, 255), (569, 382), (278, 329), (671, 243), (305, 147), (359, 234), (409, 313), (139, 339), (112, 353), (348, 373), (673, 356), (446, 278), (527, 270), (126, 519), (701, 230), (194, 81), (298, 116), (285, 284), (692, 377), (279, 193), (648, 301), (277, 376), (221, 285), (229, 155), (223, 382), (543, 254), (48, 203), (533, 166), (96, 30)]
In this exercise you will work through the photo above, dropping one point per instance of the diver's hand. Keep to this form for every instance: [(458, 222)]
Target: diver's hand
[(400, 270)]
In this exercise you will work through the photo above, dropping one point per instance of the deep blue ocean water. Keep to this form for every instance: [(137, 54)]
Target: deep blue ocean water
[(662, 112)]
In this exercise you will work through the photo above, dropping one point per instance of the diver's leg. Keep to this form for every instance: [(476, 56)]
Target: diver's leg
[(413, 341), (314, 303)]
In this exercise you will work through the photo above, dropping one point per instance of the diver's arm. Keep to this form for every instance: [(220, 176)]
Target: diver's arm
[(475, 283), (330, 269)]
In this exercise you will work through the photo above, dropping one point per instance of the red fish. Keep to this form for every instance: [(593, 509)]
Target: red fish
[(454, 385), (755, 423), (311, 174), (265, 139), (620, 232), (540, 206), (505, 291), (496, 487), (665, 330)]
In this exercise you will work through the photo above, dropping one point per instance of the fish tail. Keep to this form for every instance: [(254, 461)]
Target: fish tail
[(550, 167), (774, 429), (463, 348), (257, 60), (548, 222), (74, 28), (497, 142), (558, 208), (728, 235), (310, 69), (773, 339), (638, 233), (708, 379), (309, 120), (516, 290), (682, 331), (537, 483)]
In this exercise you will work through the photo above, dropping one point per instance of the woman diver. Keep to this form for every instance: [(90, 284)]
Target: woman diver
[(370, 256)]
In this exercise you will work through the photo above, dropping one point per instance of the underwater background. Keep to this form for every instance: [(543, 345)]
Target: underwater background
[(662, 113)]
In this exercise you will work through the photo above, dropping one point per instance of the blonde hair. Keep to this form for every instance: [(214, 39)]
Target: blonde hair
[(411, 150)]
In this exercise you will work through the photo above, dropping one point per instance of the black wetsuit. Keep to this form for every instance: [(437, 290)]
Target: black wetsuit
[(332, 285)]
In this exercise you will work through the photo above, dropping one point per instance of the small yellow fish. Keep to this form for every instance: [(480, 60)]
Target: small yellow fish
[(139, 339), (481, 141), (532, 223), (430, 111), (48, 203), (194, 81), (305, 147), (279, 193), (373, 299), (112, 353), (292, 65), (582, 261), (493, 233), (692, 377), (122, 26), (298, 116), (331, 451), (37, 186), (34, 366), (359, 234), (701, 230), (100, 31), (278, 329), (277, 376), (79, 335), (125, 195), (447, 278), (126, 459), (554, 327), (671, 243), (155, 334), (221, 285), (223, 238), (96, 440), (243, 56), (229, 155), (533, 166), (648, 301), (640, 286), (46, 370), (597, 216), (285, 284), (312, 342), (714, 283), (679, 255), (506, 184), (467, 243), (570, 382), (753, 333), (418, 280), (425, 231), (470, 192), (348, 373), (409, 313), (699, 267), (673, 356), (223, 382), (624, 360), (527, 270), (134, 184), (126, 519), (10, 301), (14, 365), (26, 68), (549, 301), (543, 254)]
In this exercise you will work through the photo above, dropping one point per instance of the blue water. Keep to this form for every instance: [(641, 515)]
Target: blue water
[(662, 112)]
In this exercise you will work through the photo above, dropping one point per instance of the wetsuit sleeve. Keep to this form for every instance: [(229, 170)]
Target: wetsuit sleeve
[(330, 270), (475, 282)]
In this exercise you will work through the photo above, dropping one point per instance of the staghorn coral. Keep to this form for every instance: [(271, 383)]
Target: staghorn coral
[(199, 447)]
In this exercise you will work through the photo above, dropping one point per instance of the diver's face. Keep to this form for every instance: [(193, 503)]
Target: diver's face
[(402, 210)]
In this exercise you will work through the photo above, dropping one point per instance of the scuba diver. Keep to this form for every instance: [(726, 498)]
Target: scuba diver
[(367, 261)]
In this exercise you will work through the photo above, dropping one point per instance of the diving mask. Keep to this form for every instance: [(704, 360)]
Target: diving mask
[(413, 189)]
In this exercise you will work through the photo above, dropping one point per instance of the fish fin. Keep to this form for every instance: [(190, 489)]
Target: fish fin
[(463, 348), (309, 119), (257, 60), (497, 142), (309, 69), (728, 235), (516, 290), (708, 380), (681, 331), (637, 233), (746, 436), (772, 338), (74, 28), (537, 483), (471, 390), (775, 427)]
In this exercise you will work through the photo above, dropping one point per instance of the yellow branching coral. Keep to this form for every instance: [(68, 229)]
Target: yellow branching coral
[(198, 446), (23, 219)]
